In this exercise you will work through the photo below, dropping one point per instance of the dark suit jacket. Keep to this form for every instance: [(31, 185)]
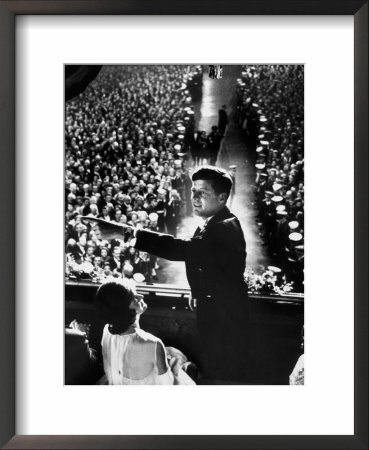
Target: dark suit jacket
[(215, 263)]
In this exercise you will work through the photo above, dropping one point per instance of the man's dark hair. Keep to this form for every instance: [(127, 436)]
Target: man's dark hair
[(220, 179), (112, 304)]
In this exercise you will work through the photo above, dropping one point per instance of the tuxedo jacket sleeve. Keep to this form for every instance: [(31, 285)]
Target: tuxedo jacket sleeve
[(215, 259), (162, 245)]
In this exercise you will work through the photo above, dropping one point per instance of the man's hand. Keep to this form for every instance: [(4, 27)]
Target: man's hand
[(192, 303), (109, 230)]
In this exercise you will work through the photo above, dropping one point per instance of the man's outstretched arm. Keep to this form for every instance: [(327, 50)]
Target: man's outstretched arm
[(162, 245)]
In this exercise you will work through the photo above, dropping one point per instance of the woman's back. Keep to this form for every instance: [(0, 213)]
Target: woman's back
[(134, 358)]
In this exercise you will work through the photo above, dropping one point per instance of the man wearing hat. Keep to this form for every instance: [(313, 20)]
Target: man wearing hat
[(281, 235), (295, 260), (260, 189), (215, 260)]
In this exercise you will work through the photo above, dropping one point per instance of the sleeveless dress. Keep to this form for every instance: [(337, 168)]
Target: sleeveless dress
[(131, 359)]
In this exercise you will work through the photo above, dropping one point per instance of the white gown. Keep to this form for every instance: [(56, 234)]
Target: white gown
[(131, 359)]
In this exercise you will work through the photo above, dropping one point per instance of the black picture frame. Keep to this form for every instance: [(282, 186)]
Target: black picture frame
[(8, 11)]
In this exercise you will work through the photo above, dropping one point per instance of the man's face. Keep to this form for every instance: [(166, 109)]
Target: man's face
[(205, 201), (79, 227)]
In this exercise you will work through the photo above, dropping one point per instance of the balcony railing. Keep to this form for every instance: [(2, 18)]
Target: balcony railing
[(179, 292)]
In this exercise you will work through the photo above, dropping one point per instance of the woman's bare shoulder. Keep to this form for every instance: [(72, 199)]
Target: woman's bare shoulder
[(146, 337)]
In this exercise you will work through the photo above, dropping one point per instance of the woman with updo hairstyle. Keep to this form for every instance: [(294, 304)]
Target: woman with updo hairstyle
[(130, 355)]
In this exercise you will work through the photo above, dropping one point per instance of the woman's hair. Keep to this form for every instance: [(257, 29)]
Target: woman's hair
[(112, 302)]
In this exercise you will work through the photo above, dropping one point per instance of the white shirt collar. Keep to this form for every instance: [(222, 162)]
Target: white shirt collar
[(207, 220)]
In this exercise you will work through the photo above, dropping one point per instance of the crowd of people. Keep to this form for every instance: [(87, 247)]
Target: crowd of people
[(271, 112), (126, 140)]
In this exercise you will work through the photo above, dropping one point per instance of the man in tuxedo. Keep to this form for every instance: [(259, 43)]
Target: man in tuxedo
[(215, 260)]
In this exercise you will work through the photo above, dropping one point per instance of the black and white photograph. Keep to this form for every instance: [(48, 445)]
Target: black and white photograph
[(184, 224)]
